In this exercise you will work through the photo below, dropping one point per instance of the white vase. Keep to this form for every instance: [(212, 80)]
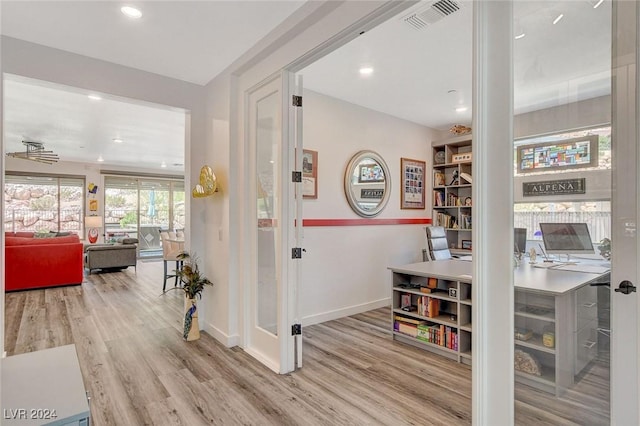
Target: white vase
[(191, 328)]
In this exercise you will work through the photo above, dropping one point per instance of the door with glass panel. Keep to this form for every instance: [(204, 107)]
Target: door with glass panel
[(267, 336), (575, 194)]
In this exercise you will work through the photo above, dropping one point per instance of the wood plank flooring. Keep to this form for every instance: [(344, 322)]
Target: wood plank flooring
[(139, 371)]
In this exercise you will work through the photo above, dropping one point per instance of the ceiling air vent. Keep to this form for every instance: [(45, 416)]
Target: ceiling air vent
[(431, 14)]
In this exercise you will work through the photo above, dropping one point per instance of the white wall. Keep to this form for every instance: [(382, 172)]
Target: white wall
[(345, 267), (307, 29)]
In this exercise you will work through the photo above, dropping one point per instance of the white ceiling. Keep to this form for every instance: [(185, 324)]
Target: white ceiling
[(415, 70), (187, 40)]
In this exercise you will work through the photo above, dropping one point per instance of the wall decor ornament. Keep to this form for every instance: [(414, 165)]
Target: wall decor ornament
[(208, 184), (412, 192), (309, 174)]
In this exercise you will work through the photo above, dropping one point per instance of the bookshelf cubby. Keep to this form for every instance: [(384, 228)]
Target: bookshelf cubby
[(438, 321), (452, 198)]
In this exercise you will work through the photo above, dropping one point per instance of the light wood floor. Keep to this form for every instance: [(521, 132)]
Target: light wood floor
[(139, 371)]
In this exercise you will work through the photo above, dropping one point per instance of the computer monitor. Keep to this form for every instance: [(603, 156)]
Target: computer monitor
[(520, 239), (566, 238)]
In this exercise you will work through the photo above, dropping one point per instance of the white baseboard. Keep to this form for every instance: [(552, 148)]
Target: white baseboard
[(225, 339), (265, 361), (344, 312)]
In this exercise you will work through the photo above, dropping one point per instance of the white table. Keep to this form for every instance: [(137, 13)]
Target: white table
[(44, 388)]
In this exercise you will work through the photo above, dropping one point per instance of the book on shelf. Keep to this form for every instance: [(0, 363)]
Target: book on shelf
[(438, 196), (408, 320), (438, 178), (444, 219), (405, 300), (406, 328), (428, 306), (453, 200)]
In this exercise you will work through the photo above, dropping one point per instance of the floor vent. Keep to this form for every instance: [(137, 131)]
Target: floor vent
[(431, 14)]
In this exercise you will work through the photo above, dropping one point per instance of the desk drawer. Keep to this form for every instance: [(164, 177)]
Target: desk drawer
[(586, 349), (586, 306)]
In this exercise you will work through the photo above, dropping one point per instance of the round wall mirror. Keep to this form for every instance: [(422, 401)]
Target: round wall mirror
[(367, 183)]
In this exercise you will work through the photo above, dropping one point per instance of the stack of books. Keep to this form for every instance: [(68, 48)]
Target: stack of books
[(438, 335)]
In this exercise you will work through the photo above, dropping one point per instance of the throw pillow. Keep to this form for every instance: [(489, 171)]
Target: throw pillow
[(44, 235)]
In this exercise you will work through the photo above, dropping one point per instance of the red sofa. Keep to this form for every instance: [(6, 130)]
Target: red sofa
[(41, 262)]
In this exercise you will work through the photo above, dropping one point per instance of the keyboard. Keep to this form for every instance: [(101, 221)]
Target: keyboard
[(588, 269)]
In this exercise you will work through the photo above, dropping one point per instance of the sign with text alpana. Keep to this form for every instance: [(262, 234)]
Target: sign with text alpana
[(554, 187)]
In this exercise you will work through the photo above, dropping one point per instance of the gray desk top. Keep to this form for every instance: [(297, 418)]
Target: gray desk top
[(35, 384), (526, 276)]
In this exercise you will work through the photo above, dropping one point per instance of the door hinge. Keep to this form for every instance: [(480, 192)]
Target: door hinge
[(296, 253), (296, 329), (296, 177), (297, 101)]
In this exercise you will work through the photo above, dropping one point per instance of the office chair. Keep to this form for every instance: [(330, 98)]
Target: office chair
[(437, 241)]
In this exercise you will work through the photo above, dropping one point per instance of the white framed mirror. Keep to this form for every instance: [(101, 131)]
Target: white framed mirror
[(367, 183)]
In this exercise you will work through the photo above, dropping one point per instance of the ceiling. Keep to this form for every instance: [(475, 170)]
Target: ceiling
[(421, 75), (188, 40)]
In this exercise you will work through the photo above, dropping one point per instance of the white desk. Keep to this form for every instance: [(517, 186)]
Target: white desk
[(544, 298)]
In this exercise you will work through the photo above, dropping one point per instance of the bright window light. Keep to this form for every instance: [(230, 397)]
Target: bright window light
[(131, 12), (366, 71)]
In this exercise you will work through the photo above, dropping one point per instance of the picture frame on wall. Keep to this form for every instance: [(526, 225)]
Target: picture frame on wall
[(309, 174), (412, 191)]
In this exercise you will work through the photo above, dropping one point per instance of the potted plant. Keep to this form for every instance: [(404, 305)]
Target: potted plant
[(192, 283)]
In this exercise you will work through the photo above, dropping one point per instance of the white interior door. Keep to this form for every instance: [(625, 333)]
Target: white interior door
[(268, 304)]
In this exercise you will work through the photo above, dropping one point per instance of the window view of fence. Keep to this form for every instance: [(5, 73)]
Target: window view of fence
[(43, 203), (141, 207), (597, 215)]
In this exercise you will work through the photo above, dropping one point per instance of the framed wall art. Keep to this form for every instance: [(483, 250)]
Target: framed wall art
[(309, 174), (412, 192)]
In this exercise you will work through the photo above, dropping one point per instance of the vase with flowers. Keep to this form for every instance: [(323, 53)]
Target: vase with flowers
[(192, 283)]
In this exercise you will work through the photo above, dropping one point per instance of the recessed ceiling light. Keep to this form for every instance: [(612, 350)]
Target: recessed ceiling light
[(598, 4), (131, 12), (555, 21), (94, 97), (100, 159), (461, 109), (519, 36), (366, 71), (163, 164), (117, 140)]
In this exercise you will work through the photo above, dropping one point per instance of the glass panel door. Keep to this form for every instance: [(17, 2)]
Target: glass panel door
[(571, 133), (153, 213), (267, 326)]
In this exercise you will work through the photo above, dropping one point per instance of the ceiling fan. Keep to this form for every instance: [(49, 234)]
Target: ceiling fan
[(35, 152)]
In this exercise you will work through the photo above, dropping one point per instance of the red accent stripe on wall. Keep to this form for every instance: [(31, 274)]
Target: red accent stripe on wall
[(360, 222)]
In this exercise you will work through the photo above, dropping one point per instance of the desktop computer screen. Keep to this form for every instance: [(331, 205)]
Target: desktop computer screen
[(520, 239), (566, 238)]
